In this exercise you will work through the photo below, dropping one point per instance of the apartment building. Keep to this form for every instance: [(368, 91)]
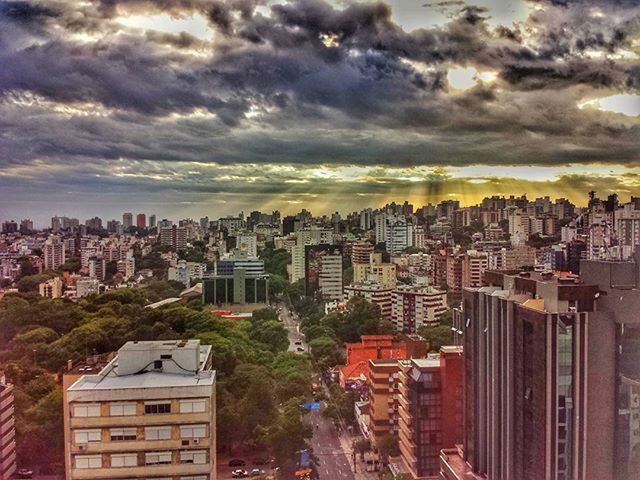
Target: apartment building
[(7, 430), (361, 252), (430, 406), (454, 272), (552, 376), (54, 253), (474, 264), (323, 271), (174, 236), (415, 306), (147, 413), (375, 271), (383, 395), (374, 293), (51, 288)]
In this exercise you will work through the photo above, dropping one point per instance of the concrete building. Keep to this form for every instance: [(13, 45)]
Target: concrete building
[(7, 430), (149, 413), (97, 267), (127, 220), (248, 242), (454, 272), (86, 286), (415, 306), (174, 236), (54, 253), (236, 279), (474, 264), (431, 410), (141, 220), (361, 252), (374, 293), (51, 288), (375, 271), (323, 271), (552, 374)]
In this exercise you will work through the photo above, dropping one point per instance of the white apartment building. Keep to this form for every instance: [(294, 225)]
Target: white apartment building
[(374, 293), (307, 236), (86, 286), (149, 413), (51, 288), (416, 306), (330, 276), (54, 253), (248, 242)]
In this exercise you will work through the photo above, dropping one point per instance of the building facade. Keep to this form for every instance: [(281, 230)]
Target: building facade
[(415, 306), (7, 430), (149, 413)]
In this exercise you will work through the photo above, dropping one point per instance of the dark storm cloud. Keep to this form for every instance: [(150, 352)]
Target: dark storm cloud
[(306, 83)]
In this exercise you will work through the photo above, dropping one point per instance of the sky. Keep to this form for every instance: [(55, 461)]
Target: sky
[(186, 108)]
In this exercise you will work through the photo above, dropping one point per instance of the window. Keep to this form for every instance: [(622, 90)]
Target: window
[(192, 406), (124, 460), (157, 407), (158, 458), (122, 434), (86, 436), (86, 410), (193, 431), (198, 457), (88, 461), (122, 409), (157, 433)]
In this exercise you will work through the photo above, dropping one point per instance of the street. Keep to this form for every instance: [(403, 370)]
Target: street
[(333, 462)]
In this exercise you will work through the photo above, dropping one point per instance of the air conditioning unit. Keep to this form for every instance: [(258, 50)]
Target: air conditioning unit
[(82, 448), (196, 441)]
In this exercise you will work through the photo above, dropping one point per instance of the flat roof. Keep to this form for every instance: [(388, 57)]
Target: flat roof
[(143, 380)]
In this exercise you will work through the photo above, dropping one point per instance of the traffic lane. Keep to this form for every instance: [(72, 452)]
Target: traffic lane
[(326, 446)]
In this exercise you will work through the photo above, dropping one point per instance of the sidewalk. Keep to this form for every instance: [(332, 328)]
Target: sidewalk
[(346, 441)]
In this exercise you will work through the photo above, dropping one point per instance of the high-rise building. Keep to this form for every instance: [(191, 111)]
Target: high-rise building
[(323, 271), (149, 412), (127, 221), (236, 278), (9, 227), (248, 242), (474, 264), (174, 236), (97, 267), (431, 410), (26, 226), (415, 306), (141, 220), (94, 223), (152, 220), (54, 253), (7, 430), (552, 375), (374, 293), (361, 252), (375, 271)]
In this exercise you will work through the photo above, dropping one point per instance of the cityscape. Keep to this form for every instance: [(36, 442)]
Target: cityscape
[(319, 239)]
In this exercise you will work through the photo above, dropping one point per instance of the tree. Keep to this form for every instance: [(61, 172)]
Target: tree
[(325, 352), (272, 333), (389, 446), (31, 282), (361, 446), (436, 336)]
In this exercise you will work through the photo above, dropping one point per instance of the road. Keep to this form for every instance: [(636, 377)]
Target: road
[(334, 464), (292, 327)]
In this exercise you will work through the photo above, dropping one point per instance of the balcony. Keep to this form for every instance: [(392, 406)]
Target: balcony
[(6, 426), (6, 402), (6, 414), (151, 471), (8, 449), (138, 445), (8, 462), (140, 420)]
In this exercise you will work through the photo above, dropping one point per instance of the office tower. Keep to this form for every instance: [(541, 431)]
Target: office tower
[(149, 412), (415, 306), (431, 410), (152, 220), (51, 288), (248, 242), (361, 252), (237, 278), (56, 224), (399, 236), (552, 375), (54, 253), (26, 226), (375, 271), (127, 221), (323, 271), (204, 223), (7, 430), (141, 220), (174, 236), (94, 223), (374, 293)]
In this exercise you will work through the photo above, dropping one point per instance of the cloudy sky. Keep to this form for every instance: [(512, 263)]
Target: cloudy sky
[(194, 107)]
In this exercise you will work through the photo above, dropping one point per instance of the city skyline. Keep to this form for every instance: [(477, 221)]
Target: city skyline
[(208, 107)]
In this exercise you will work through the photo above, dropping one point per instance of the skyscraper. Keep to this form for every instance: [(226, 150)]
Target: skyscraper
[(141, 220), (127, 220), (54, 253)]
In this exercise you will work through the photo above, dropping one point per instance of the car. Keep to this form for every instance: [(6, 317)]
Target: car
[(300, 349), (24, 473), (236, 462), (257, 471), (298, 343), (239, 473)]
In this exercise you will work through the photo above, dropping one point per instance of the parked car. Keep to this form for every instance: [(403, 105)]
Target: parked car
[(239, 473), (236, 462), (300, 349), (24, 473), (257, 471), (298, 343)]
